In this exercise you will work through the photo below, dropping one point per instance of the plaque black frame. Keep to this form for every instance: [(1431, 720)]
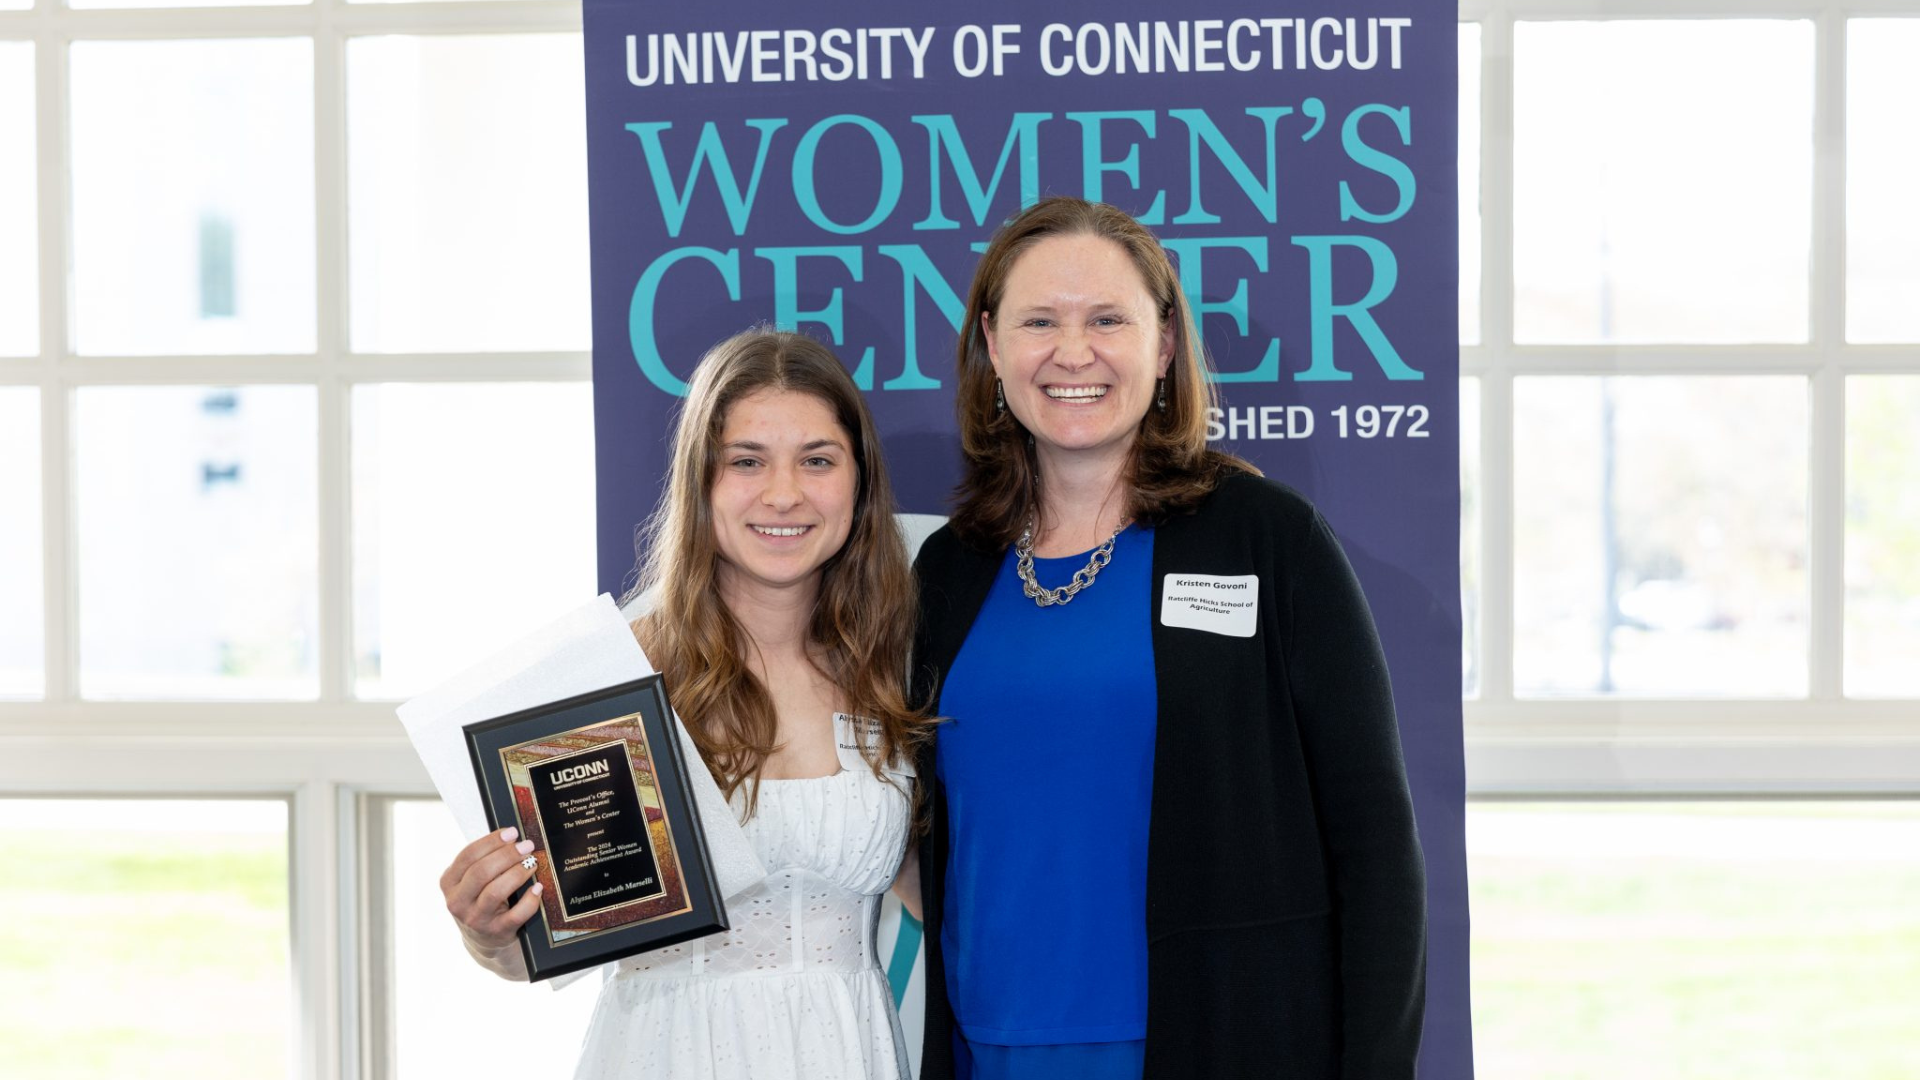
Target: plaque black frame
[(645, 698)]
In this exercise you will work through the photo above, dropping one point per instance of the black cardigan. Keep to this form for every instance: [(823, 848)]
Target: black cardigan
[(1286, 913)]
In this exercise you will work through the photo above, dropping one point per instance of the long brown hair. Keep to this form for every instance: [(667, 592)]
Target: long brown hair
[(862, 622), (1169, 470)]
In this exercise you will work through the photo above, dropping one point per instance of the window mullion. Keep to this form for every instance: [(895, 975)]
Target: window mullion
[(1496, 382), (160, 24), (362, 899), (1827, 469), (1827, 525), (330, 247), (1496, 187), (61, 594), (314, 895), (1828, 261), (336, 623), (330, 183)]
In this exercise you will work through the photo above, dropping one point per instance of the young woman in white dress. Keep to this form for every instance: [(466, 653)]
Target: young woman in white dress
[(782, 608)]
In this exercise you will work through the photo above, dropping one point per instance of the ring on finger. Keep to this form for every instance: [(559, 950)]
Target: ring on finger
[(529, 862)]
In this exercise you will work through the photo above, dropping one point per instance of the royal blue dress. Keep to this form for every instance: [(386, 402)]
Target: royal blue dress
[(1047, 763)]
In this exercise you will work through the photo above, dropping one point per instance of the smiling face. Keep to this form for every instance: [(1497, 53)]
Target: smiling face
[(783, 491), (1077, 344)]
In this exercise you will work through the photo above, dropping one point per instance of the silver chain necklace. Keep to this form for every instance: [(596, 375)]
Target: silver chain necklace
[(1082, 577)]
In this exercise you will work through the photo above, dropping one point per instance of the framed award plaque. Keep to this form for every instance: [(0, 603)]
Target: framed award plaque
[(599, 784)]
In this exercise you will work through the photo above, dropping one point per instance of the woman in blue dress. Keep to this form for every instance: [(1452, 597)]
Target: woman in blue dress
[(1171, 832)]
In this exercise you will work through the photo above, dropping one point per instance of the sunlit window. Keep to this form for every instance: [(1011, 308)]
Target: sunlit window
[(438, 989), (463, 539), (22, 608), (1883, 218), (1883, 536), (151, 939), (198, 537), (1675, 204), (467, 193), (215, 252), (1766, 940), (1469, 183), (19, 235), (1660, 536)]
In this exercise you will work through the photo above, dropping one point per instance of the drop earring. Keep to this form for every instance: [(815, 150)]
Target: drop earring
[(1163, 393), (999, 399)]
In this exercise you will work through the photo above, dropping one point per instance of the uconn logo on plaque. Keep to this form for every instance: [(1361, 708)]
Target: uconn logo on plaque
[(580, 772)]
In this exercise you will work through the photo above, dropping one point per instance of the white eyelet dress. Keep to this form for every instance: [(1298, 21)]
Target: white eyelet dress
[(794, 991)]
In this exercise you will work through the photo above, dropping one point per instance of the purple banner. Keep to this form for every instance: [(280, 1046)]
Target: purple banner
[(838, 173)]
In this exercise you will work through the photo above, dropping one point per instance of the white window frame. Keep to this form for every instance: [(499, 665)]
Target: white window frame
[(1823, 743), (328, 756)]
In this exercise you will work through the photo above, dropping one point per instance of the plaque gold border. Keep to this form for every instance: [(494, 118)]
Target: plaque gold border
[(637, 722)]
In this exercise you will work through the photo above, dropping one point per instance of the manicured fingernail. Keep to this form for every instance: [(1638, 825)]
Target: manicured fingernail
[(507, 834), (523, 847), (536, 888)]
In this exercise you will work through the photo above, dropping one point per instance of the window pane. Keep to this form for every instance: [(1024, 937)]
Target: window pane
[(1469, 183), (19, 237), (1883, 537), (1660, 536), (1470, 536), (1675, 206), (1759, 940), (22, 606), (437, 141), (150, 939), (438, 990), (465, 540), (193, 197), (198, 542), (1883, 220)]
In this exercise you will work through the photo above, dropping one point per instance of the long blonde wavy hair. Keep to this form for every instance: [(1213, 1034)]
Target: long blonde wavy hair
[(862, 622)]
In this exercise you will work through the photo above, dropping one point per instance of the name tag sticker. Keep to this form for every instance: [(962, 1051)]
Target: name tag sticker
[(1218, 605), (853, 734)]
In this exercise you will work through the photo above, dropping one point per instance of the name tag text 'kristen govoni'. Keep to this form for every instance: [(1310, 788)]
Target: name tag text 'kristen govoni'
[(1218, 605)]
